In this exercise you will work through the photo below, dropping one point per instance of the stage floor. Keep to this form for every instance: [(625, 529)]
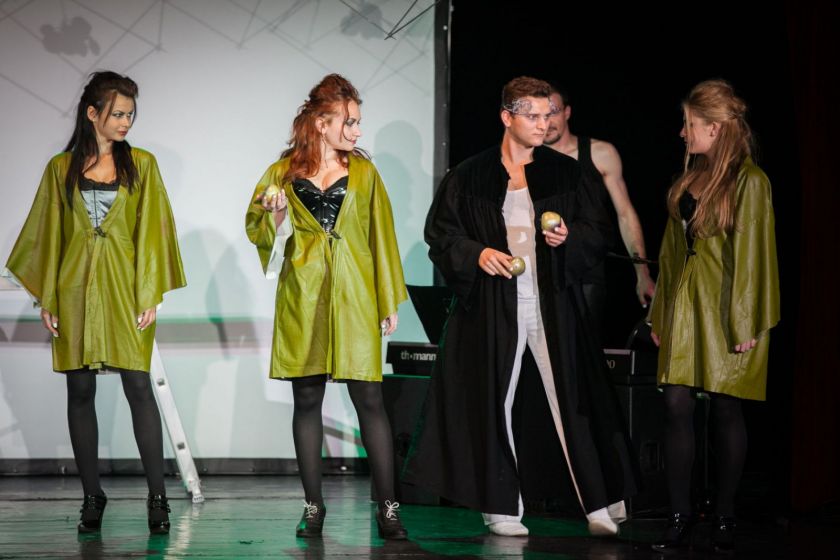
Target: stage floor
[(255, 516)]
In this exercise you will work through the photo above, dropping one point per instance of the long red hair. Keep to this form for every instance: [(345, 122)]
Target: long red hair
[(327, 100)]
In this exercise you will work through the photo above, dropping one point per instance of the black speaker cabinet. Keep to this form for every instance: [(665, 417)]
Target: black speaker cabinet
[(404, 396), (644, 411)]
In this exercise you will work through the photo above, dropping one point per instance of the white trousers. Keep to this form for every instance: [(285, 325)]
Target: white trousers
[(530, 331)]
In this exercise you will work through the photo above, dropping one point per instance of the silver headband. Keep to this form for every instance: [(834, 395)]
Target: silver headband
[(523, 106)]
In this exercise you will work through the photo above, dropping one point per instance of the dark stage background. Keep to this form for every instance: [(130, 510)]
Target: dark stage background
[(627, 68)]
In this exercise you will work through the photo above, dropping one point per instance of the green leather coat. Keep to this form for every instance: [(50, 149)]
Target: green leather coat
[(725, 294), (97, 282), (333, 292)]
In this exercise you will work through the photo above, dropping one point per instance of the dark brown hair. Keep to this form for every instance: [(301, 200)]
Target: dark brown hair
[(100, 93)]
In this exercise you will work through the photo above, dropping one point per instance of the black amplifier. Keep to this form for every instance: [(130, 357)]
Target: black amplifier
[(626, 367), (412, 358), (631, 367)]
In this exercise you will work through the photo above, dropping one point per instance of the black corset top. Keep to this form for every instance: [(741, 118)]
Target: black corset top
[(688, 204), (323, 205)]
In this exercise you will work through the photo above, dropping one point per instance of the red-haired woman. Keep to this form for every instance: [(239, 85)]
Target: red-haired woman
[(321, 221), (717, 297)]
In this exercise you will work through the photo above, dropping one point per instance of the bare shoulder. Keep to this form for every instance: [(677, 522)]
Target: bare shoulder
[(605, 157), (603, 150)]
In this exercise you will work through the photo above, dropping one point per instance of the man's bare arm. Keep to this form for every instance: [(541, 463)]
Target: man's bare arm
[(608, 162)]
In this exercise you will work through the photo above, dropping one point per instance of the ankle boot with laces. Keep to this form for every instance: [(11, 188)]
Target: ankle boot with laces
[(312, 521), (388, 521)]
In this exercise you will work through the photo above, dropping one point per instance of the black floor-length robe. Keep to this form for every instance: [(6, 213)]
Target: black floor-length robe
[(460, 449)]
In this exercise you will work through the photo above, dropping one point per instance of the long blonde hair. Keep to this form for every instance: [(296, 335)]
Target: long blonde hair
[(714, 101)]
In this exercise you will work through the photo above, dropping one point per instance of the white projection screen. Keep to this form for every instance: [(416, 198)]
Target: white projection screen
[(220, 82)]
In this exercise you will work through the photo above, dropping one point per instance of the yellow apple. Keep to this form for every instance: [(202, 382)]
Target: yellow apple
[(550, 220), (517, 266), (271, 190)]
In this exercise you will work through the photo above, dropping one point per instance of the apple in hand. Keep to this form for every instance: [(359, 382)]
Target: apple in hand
[(550, 220), (517, 266)]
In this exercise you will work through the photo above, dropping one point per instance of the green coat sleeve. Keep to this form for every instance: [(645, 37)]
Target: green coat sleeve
[(259, 224), (389, 282), (754, 303), (158, 267), (36, 256)]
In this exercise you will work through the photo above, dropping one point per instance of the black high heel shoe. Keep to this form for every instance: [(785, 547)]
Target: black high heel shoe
[(388, 521), (93, 507), (312, 522), (723, 537), (677, 533), (158, 508)]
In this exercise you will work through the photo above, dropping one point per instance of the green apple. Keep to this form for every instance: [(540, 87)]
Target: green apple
[(517, 266), (271, 190), (550, 220)]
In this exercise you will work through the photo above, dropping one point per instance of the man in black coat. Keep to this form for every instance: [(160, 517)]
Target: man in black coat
[(485, 208)]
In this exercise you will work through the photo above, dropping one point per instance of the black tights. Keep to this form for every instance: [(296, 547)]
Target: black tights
[(84, 429), (308, 430), (730, 444)]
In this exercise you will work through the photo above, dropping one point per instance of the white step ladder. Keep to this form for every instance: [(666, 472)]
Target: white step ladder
[(172, 420)]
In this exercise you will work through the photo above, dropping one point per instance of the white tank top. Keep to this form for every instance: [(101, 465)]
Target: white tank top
[(518, 211)]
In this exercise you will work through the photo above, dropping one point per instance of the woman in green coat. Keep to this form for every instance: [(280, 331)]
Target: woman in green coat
[(97, 253), (322, 223), (717, 297)]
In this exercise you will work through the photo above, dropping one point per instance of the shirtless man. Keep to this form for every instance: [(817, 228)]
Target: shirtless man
[(601, 159)]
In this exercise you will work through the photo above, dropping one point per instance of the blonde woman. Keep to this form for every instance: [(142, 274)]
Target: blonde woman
[(717, 297)]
